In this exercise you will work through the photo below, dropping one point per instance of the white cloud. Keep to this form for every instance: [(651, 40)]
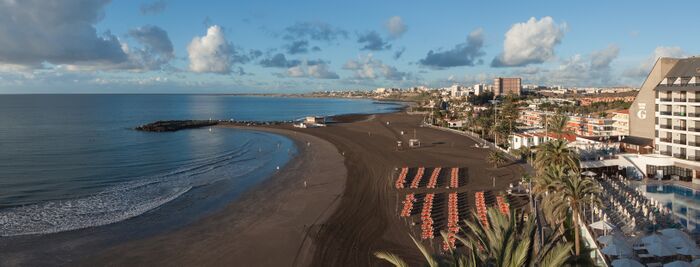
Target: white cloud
[(530, 42), (318, 70), (645, 66), (370, 68), (578, 70), (396, 27), (211, 53)]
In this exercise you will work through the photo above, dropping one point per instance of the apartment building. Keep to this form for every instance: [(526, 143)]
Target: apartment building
[(621, 122), (506, 86), (585, 126)]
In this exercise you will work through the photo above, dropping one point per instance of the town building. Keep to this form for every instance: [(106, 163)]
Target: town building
[(621, 122), (585, 126), (505, 86), (479, 88)]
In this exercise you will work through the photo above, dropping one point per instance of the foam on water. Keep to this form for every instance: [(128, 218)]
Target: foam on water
[(129, 199)]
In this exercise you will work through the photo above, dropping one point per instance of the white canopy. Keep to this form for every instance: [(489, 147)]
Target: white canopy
[(690, 251), (602, 225), (660, 249), (678, 264), (626, 263), (607, 239), (653, 238), (618, 249)]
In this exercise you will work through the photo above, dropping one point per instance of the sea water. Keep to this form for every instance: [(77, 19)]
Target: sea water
[(70, 162)]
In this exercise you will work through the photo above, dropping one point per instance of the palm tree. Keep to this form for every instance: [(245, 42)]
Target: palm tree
[(496, 158), (558, 124), (506, 241), (569, 195), (556, 152)]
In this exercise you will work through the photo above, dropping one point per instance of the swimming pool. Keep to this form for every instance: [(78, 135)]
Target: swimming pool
[(682, 201)]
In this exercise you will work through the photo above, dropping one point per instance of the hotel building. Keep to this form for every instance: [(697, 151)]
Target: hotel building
[(506, 86), (667, 110)]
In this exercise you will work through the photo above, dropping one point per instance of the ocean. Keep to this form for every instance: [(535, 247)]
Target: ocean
[(70, 162)]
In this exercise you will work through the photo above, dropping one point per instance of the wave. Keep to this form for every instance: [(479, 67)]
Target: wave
[(130, 199)]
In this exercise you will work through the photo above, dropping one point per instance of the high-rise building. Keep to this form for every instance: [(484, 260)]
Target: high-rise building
[(506, 86), (667, 110)]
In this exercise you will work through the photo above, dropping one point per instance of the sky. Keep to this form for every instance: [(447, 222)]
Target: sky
[(178, 46)]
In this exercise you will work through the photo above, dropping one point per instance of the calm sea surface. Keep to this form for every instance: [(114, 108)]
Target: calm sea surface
[(73, 161)]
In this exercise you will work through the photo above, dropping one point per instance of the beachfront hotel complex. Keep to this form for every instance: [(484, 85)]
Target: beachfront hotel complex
[(667, 110)]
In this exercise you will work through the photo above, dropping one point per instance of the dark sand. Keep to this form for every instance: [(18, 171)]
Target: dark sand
[(353, 215)]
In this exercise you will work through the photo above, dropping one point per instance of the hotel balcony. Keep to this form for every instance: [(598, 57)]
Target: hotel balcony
[(680, 128), (665, 126), (667, 140), (696, 144), (667, 153), (691, 129), (665, 99), (694, 100), (679, 155), (680, 142), (696, 115), (679, 114), (679, 100), (694, 158), (666, 113)]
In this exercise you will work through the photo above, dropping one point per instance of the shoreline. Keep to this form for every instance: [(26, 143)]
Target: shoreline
[(353, 214), (279, 213)]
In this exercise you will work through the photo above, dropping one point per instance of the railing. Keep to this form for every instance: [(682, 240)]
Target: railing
[(694, 115), (665, 126), (667, 113), (695, 100), (679, 114), (667, 153), (681, 142), (681, 128), (691, 143), (667, 140), (665, 99), (694, 158), (679, 100), (693, 129), (679, 155)]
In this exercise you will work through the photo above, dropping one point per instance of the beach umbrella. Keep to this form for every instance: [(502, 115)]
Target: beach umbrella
[(618, 249), (673, 232), (660, 250), (653, 239), (626, 263), (608, 239), (602, 225), (688, 250), (588, 173), (678, 264)]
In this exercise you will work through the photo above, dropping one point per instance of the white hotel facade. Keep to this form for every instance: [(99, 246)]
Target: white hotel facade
[(667, 110)]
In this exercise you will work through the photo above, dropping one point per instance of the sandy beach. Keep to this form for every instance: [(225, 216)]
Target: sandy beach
[(348, 211)]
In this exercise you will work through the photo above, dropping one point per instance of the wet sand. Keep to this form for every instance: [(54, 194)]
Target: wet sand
[(350, 204)]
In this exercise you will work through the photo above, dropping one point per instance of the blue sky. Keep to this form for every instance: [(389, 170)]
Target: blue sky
[(163, 46)]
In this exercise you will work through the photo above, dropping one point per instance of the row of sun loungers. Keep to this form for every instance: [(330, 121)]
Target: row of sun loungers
[(430, 178)]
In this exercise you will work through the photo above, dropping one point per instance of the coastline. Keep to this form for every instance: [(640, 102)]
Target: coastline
[(277, 215), (352, 212)]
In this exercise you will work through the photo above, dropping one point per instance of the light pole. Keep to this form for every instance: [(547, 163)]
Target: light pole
[(495, 121)]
